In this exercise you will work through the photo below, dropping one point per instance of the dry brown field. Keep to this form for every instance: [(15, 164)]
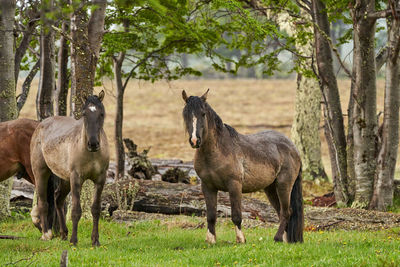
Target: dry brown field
[(153, 111)]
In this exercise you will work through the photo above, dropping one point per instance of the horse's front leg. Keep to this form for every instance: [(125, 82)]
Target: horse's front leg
[(235, 196), (96, 209), (76, 210), (210, 196)]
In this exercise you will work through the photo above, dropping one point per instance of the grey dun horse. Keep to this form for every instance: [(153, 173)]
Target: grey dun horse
[(235, 163), (74, 150)]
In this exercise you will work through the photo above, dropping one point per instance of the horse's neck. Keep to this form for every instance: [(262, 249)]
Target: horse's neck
[(211, 144)]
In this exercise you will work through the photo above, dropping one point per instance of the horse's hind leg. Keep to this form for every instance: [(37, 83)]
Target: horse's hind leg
[(60, 195), (96, 209), (235, 196), (210, 196), (270, 191), (283, 190), (42, 174), (76, 211)]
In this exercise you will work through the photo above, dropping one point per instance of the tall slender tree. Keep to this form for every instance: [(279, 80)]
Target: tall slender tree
[(44, 99), (8, 104)]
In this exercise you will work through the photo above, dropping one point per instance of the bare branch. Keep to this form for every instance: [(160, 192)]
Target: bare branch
[(21, 99), (381, 58)]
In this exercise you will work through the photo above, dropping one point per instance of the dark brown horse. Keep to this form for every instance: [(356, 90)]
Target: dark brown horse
[(74, 150), (228, 161)]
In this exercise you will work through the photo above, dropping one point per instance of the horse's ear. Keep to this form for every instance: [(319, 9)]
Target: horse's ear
[(204, 96), (184, 95), (101, 95), (83, 98)]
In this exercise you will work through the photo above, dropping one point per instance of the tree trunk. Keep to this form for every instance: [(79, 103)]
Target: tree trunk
[(86, 40), (351, 174), (387, 154), (119, 116), (364, 112), (8, 103), (334, 131), (305, 128), (44, 100), (61, 93)]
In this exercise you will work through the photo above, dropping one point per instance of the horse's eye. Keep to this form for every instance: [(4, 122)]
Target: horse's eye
[(203, 114), (102, 115)]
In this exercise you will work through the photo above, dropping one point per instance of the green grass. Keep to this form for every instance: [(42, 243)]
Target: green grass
[(175, 242)]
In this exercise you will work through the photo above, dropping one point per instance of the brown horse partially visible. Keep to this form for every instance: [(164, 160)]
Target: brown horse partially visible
[(15, 157), (74, 150), (235, 163), (15, 139)]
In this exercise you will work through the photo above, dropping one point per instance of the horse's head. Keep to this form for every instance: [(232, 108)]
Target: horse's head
[(194, 115), (93, 116)]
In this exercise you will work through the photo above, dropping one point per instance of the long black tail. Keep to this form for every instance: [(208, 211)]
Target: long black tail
[(296, 222)]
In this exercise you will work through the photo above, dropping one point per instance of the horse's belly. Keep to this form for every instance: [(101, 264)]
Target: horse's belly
[(255, 179), (8, 169)]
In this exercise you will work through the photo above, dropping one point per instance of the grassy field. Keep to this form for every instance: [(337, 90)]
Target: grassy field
[(152, 114), (177, 242)]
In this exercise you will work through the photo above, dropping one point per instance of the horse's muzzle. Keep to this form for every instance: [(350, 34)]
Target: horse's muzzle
[(93, 146), (195, 144)]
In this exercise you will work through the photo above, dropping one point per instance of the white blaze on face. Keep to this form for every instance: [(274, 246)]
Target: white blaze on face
[(92, 108), (194, 138)]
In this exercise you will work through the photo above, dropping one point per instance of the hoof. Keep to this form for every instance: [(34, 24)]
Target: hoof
[(64, 236), (73, 242), (278, 239), (285, 238), (210, 238), (96, 243), (35, 218), (240, 236), (47, 236)]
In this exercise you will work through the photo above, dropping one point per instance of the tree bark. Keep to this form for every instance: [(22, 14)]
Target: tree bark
[(387, 154), (305, 128), (44, 100), (85, 48), (334, 131), (119, 116), (61, 93), (8, 103), (364, 112)]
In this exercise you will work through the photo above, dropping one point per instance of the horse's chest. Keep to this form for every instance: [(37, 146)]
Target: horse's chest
[(91, 169), (217, 176)]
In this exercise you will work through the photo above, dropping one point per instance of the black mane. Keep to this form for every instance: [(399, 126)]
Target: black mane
[(195, 103)]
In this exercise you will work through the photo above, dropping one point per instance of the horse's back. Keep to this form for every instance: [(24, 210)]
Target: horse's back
[(54, 129), (265, 154), (268, 145)]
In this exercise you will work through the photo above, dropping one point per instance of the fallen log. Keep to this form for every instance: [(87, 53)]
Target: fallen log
[(185, 199)]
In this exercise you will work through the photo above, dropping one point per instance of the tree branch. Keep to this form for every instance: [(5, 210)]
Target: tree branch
[(381, 58), (21, 99)]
